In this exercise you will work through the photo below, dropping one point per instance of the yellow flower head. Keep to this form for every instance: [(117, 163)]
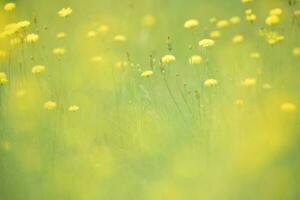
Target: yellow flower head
[(288, 107), (148, 20), (38, 69), (215, 34), (61, 35), (121, 64), (296, 51), (248, 82), (49, 105), (9, 7), (195, 59), (235, 20), (120, 38), (255, 55), (206, 43), (168, 59), (59, 51), (32, 38), (222, 23), (73, 108), (191, 23), (297, 13), (3, 78), (103, 28), (147, 73), (23, 24), (96, 59), (251, 18), (246, 1), (276, 12), (210, 82), (65, 12), (238, 39), (272, 20)]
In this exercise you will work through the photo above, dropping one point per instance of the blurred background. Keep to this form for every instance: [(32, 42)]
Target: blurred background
[(166, 136)]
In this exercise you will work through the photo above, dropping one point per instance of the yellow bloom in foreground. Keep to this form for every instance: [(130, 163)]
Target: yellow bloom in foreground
[(59, 51), (288, 107), (120, 38), (103, 28), (38, 69), (3, 78), (296, 51), (191, 23), (121, 64), (65, 12), (222, 23), (238, 39), (297, 13), (23, 24), (32, 38), (195, 59), (246, 1), (239, 102), (255, 55), (272, 20), (49, 105), (9, 6), (148, 20), (215, 34), (168, 59), (248, 82), (96, 59), (251, 18), (147, 73), (210, 82), (276, 12), (73, 108), (235, 20), (61, 35), (206, 43)]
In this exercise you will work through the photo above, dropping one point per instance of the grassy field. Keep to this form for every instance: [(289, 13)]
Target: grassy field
[(149, 100)]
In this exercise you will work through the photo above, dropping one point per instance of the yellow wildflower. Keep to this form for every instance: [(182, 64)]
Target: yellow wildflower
[(148, 20), (248, 82), (215, 34), (276, 12), (238, 39), (61, 35), (65, 12), (9, 6), (147, 73), (96, 59), (120, 38), (121, 64), (206, 43), (168, 59), (195, 59), (31, 38), (255, 55), (246, 1), (235, 20), (272, 20), (297, 13), (3, 78), (210, 82), (103, 28), (59, 51), (38, 69), (222, 23), (50, 105), (288, 107), (191, 23), (73, 108), (296, 51)]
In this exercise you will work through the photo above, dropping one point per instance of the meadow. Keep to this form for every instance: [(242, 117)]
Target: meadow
[(149, 99)]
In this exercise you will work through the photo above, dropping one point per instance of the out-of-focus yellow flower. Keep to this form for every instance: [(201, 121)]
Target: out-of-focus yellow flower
[(191, 23), (296, 51), (59, 51), (168, 59), (73, 108), (215, 34), (212, 20), (96, 59), (246, 1), (222, 23), (148, 20), (248, 82), (23, 24), (103, 28), (15, 41), (206, 43), (3, 78), (249, 12), (239, 103), (91, 34), (50, 105), (255, 55), (61, 35), (195, 59), (272, 20), (121, 64), (65, 12), (147, 73), (38, 69), (210, 82), (238, 39), (288, 107), (2, 54), (297, 13), (276, 12), (235, 20), (31, 38), (120, 38), (250, 16), (9, 6)]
